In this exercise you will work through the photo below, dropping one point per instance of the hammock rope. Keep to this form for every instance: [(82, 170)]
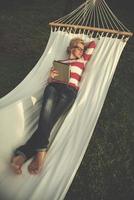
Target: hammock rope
[(92, 15)]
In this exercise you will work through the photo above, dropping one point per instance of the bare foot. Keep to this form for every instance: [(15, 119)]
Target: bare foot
[(16, 163), (37, 163)]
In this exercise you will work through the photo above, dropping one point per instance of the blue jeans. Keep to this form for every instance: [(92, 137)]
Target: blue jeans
[(57, 99)]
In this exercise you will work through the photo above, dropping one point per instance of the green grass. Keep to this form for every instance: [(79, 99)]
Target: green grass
[(106, 172)]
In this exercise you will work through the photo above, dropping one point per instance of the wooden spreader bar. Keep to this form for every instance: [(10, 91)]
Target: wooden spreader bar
[(53, 24)]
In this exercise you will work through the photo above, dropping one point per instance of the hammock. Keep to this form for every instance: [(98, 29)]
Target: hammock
[(19, 109)]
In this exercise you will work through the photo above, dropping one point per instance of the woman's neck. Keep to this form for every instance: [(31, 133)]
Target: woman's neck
[(72, 57)]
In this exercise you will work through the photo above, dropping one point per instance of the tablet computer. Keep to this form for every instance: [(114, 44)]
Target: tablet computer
[(64, 72)]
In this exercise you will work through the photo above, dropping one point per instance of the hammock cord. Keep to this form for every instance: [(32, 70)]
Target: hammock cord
[(99, 14), (108, 17), (121, 25), (88, 16), (85, 14), (93, 13), (103, 17), (76, 19)]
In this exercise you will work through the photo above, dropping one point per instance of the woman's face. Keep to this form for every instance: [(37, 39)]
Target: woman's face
[(77, 51)]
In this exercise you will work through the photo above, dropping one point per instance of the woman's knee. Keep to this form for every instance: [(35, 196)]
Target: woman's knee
[(68, 97)]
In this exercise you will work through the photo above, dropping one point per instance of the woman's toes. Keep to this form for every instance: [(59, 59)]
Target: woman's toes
[(37, 163), (31, 167), (16, 163), (16, 168)]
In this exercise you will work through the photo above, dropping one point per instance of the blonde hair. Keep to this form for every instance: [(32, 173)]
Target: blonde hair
[(74, 43)]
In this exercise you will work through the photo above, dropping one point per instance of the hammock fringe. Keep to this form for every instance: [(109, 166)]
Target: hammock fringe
[(78, 27)]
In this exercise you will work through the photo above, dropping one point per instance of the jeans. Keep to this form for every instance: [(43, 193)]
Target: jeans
[(57, 99)]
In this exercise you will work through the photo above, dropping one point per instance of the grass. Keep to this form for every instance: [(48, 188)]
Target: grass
[(106, 172)]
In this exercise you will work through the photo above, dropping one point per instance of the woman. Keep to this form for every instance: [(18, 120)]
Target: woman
[(57, 99)]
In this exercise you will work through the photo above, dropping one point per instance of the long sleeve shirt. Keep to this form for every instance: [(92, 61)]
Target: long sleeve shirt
[(77, 66)]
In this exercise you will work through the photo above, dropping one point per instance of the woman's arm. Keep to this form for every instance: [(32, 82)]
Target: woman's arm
[(89, 50)]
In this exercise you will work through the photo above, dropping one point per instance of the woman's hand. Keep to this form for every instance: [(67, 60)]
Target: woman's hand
[(53, 73)]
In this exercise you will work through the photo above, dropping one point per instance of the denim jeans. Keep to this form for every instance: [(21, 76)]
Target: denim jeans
[(57, 99)]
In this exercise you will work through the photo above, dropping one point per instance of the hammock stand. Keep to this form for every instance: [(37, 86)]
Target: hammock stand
[(93, 19)]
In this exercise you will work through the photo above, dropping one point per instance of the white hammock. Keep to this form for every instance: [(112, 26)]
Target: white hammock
[(19, 110)]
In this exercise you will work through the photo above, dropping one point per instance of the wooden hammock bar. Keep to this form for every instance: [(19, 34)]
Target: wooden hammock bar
[(53, 24)]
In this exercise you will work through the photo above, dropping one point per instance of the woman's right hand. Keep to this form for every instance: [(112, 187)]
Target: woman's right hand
[(53, 73)]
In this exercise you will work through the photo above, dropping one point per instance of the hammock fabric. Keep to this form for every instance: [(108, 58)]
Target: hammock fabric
[(19, 110)]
